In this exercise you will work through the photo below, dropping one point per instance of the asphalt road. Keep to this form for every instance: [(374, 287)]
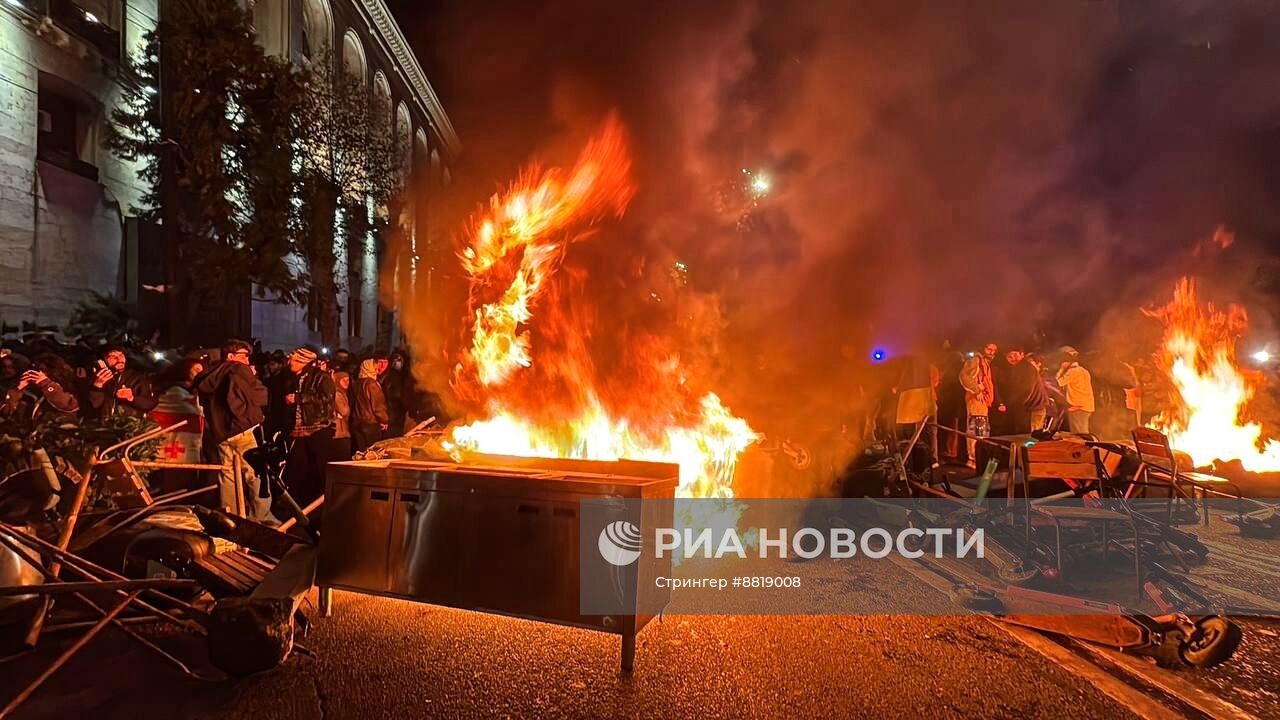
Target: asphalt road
[(383, 658)]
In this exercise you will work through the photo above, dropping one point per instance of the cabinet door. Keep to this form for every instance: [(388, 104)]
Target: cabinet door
[(357, 533), (521, 557), (426, 531)]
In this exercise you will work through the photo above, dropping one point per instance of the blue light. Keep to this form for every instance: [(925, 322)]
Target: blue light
[(878, 355)]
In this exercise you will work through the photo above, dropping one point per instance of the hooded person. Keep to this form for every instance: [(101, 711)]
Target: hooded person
[(234, 399), (342, 413), (369, 418)]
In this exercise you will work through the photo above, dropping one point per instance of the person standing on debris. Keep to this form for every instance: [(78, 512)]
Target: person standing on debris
[(233, 400), (369, 416), (118, 390), (1077, 383), (312, 445), (979, 393)]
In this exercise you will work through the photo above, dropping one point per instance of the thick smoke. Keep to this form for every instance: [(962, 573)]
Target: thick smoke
[(1029, 172)]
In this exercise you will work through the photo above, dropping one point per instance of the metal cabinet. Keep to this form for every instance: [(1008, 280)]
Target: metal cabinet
[(502, 536), (524, 552), (361, 516), (423, 549)]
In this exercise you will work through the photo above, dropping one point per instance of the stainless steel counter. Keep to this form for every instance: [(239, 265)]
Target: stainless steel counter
[(499, 534)]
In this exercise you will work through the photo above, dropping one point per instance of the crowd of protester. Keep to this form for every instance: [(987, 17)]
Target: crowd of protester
[(323, 406), (981, 393), (328, 406)]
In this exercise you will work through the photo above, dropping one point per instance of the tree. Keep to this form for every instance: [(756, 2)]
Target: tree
[(349, 160), (216, 150)]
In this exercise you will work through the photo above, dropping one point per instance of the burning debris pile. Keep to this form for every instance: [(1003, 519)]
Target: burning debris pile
[(527, 372), (1207, 417)]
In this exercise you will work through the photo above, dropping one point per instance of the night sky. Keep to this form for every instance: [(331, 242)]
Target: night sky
[(941, 169)]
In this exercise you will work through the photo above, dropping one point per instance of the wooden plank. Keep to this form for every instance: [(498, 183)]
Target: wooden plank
[(1059, 451), (1073, 471)]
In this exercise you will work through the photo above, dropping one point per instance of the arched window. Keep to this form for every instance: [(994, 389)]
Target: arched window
[(382, 94), (437, 175), (404, 137), (317, 28), (353, 56), (421, 152)]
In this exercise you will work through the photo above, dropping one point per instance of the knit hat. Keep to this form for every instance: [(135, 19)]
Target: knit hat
[(303, 355), (1068, 350)]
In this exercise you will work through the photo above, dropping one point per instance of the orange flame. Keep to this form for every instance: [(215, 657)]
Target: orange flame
[(514, 249), (1206, 417)]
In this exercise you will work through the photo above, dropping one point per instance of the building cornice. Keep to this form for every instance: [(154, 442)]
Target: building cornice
[(389, 34)]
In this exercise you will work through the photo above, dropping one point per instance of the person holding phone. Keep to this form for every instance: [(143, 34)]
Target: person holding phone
[(116, 389), (41, 389)]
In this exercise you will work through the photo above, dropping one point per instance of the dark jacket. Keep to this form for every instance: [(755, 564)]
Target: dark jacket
[(279, 413), (395, 386), (33, 401), (370, 403), (313, 401), (233, 399), (104, 403)]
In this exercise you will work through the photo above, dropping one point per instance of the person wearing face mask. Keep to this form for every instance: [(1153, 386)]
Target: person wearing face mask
[(395, 388)]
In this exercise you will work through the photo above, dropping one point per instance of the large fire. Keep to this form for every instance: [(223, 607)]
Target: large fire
[(549, 401), (1206, 417)]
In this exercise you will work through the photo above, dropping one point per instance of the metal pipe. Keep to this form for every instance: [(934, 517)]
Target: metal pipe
[(118, 622), (158, 503), (175, 466), (82, 624), (62, 588), (67, 654), (237, 478), (36, 562), (284, 526), (129, 442), (75, 561), (64, 539)]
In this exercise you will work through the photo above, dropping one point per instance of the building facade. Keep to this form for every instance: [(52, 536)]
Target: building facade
[(66, 201), (64, 198), (363, 37)]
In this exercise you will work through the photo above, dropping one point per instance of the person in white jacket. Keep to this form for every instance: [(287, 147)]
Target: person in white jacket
[(1077, 383)]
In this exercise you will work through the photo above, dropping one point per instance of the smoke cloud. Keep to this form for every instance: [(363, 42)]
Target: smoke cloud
[(1028, 172)]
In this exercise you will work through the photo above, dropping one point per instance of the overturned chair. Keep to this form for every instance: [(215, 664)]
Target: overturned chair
[(1076, 465)]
